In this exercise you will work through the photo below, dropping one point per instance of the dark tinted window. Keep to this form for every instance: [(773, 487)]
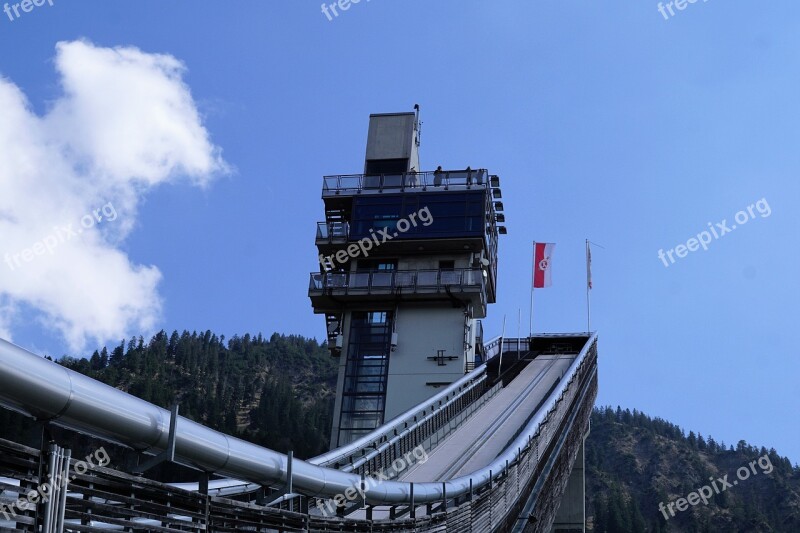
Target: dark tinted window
[(453, 214)]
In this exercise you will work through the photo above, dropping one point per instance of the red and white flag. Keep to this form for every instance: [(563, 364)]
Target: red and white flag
[(542, 263)]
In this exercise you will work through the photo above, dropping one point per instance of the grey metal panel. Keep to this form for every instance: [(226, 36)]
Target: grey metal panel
[(390, 136)]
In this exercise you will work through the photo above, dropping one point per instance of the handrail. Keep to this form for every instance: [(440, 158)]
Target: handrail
[(512, 452), (492, 347), (332, 230), (376, 440), (388, 279), (37, 387), (445, 179), (404, 420)]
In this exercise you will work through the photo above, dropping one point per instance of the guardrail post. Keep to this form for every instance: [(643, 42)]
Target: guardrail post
[(491, 498), (363, 490), (413, 512), (289, 459), (48, 504), (203, 486), (62, 497)]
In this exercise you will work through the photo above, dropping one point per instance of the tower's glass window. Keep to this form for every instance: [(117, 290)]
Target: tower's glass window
[(452, 214), (381, 265)]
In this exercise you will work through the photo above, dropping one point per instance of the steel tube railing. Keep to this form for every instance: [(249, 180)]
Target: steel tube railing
[(328, 231), (411, 280), (37, 387), (446, 179)]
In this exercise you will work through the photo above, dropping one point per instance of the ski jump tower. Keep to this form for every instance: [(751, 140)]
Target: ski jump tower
[(408, 267)]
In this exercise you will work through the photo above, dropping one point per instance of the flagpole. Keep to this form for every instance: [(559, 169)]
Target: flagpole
[(533, 270), (502, 342), (588, 297), (531, 319)]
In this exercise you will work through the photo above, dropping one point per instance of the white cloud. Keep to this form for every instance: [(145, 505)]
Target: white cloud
[(125, 123)]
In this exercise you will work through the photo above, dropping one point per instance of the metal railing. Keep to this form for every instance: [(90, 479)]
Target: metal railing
[(494, 495), (375, 442), (487, 499), (333, 231), (444, 180), (409, 281), (492, 347)]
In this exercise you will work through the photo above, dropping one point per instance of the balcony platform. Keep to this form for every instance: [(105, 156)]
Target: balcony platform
[(429, 181), (328, 290)]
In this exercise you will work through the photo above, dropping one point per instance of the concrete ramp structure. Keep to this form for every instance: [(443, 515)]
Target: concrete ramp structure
[(535, 395)]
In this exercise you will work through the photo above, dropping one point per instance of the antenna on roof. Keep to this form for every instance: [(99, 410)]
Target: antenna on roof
[(418, 125)]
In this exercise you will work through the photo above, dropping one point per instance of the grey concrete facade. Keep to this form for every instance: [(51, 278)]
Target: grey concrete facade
[(394, 136), (571, 515), (422, 330)]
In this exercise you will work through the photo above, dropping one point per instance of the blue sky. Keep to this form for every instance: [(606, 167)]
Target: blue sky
[(605, 121)]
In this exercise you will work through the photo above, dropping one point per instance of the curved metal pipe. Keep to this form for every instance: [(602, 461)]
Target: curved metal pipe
[(375, 439), (398, 423), (43, 389)]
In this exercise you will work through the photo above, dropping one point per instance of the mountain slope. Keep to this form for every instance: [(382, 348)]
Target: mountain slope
[(277, 392), (634, 463)]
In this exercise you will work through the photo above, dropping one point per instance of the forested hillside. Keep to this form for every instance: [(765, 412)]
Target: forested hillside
[(277, 392), (634, 462)]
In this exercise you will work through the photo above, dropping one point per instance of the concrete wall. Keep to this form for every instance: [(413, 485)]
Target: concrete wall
[(391, 136), (421, 331), (422, 328), (571, 515)]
